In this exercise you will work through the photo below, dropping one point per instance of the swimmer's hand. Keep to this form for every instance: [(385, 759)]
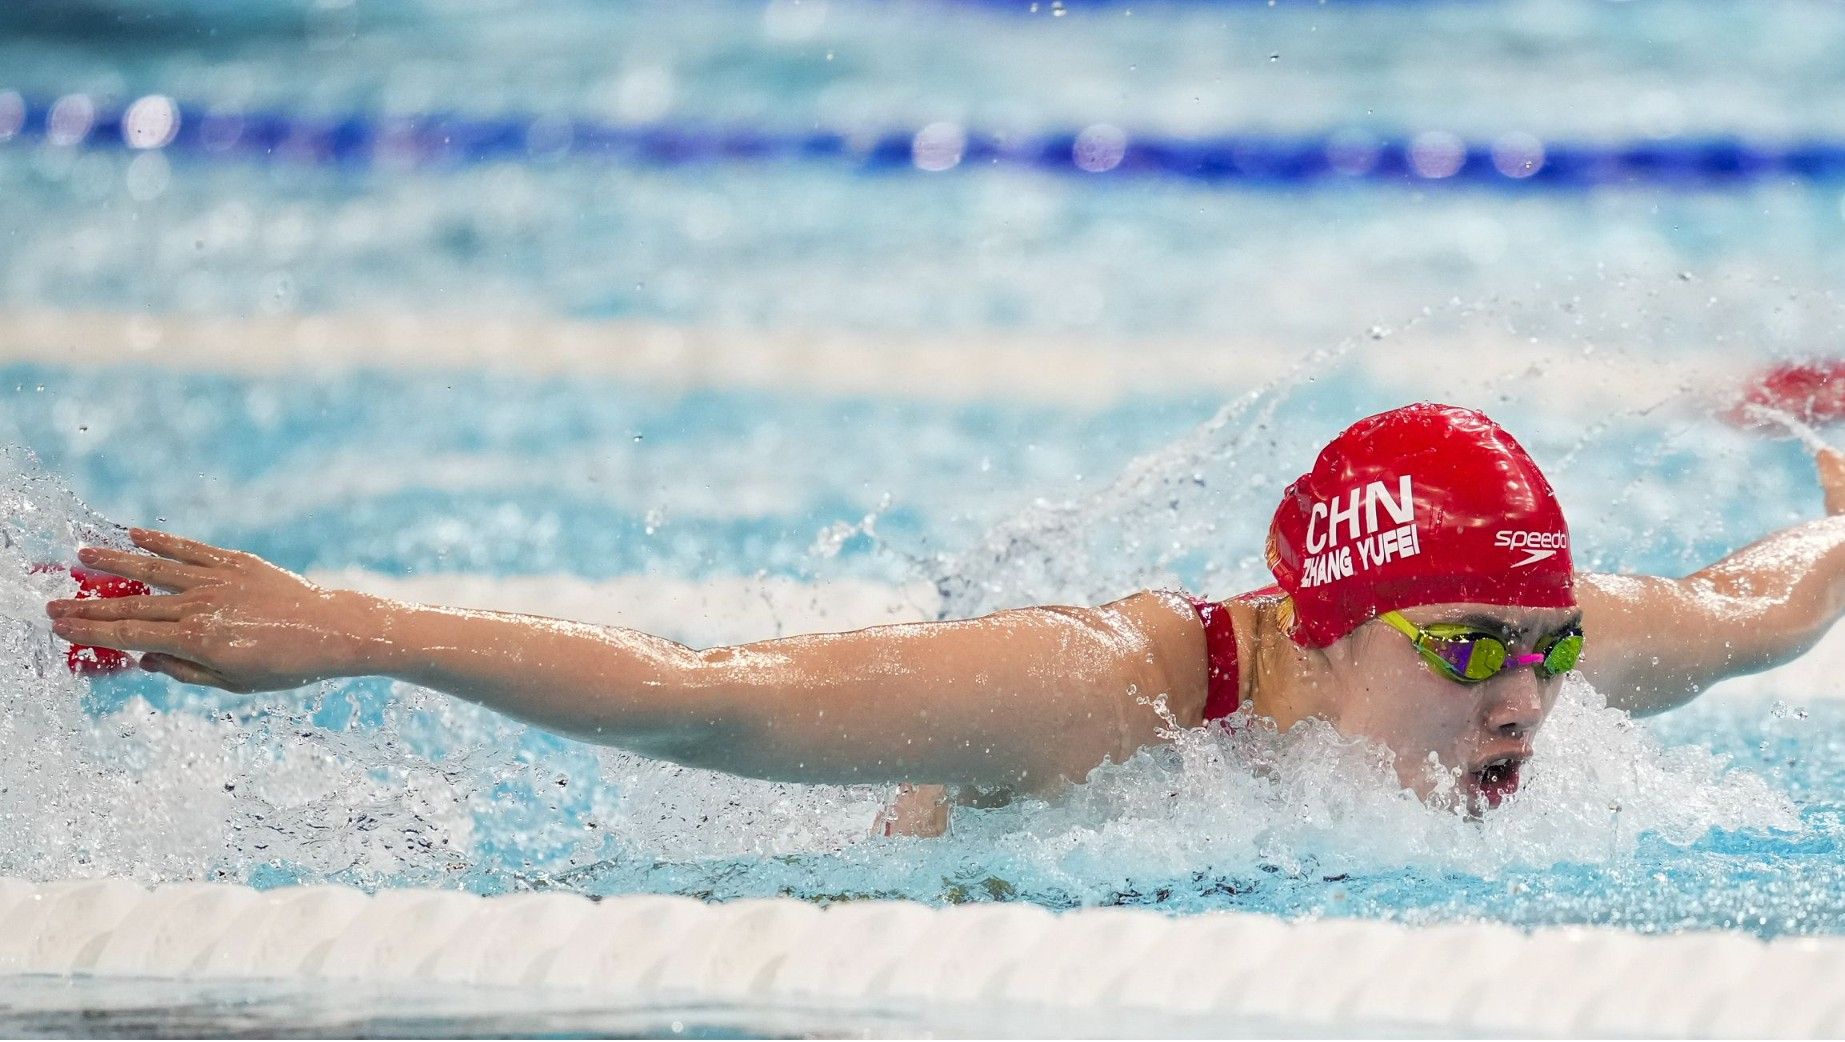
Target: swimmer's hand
[(230, 620), (1831, 463)]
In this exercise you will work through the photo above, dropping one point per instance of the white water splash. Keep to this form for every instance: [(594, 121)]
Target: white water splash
[(1227, 801), (1796, 428), (39, 520), (191, 792)]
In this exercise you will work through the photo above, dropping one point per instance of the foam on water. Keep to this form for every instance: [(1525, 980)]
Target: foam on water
[(1307, 822), (1312, 800), (38, 518), (207, 788)]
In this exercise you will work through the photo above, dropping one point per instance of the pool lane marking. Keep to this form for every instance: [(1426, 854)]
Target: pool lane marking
[(980, 366), (740, 609), (1335, 157)]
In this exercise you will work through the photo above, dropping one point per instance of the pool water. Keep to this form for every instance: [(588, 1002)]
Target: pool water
[(968, 250), (1723, 814), (1607, 329)]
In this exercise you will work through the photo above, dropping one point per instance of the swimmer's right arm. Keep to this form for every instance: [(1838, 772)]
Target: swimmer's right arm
[(1025, 698)]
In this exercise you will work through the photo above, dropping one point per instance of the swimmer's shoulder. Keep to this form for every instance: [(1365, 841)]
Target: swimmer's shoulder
[(1171, 620)]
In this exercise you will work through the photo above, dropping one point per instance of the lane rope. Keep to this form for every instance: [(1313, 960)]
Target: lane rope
[(362, 141), (639, 949)]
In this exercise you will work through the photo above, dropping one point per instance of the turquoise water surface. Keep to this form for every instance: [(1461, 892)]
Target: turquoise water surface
[(1726, 814)]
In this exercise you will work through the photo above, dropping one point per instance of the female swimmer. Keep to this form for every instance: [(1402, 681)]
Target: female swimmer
[(1424, 599)]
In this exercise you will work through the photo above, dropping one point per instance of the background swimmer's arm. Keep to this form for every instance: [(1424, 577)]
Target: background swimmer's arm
[(1017, 698), (1655, 644)]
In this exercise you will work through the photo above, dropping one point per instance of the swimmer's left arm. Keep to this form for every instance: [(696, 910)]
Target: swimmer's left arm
[(1656, 643)]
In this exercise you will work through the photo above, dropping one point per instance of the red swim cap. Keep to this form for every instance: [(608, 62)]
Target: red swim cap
[(1427, 504)]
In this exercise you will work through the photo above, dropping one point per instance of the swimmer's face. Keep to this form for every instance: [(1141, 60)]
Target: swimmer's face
[(1391, 696)]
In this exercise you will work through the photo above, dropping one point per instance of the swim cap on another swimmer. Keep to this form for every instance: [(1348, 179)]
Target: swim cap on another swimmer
[(1427, 504)]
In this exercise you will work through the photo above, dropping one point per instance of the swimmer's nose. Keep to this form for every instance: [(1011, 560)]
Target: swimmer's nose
[(1517, 707)]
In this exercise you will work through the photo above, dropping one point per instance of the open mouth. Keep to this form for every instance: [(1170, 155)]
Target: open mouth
[(1498, 779)]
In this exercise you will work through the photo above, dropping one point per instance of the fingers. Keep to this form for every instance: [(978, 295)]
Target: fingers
[(126, 635), (154, 571), (179, 548), (157, 608), (186, 672), (1831, 463)]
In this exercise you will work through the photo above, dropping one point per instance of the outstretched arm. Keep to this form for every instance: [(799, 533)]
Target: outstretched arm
[(1655, 644), (1021, 698)]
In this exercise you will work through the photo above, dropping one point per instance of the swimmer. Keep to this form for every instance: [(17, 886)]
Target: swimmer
[(1425, 600)]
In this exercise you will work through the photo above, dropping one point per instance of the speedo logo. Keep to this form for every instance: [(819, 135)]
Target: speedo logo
[(1536, 545)]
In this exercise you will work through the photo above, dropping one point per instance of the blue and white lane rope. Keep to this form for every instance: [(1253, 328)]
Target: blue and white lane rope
[(360, 141)]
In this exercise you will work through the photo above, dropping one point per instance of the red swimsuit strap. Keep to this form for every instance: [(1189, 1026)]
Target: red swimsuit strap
[(1223, 684)]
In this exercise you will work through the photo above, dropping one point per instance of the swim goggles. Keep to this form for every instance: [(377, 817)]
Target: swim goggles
[(1467, 656)]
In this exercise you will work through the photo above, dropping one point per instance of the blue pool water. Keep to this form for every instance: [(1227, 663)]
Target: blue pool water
[(1733, 802), (971, 249), (1341, 300)]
